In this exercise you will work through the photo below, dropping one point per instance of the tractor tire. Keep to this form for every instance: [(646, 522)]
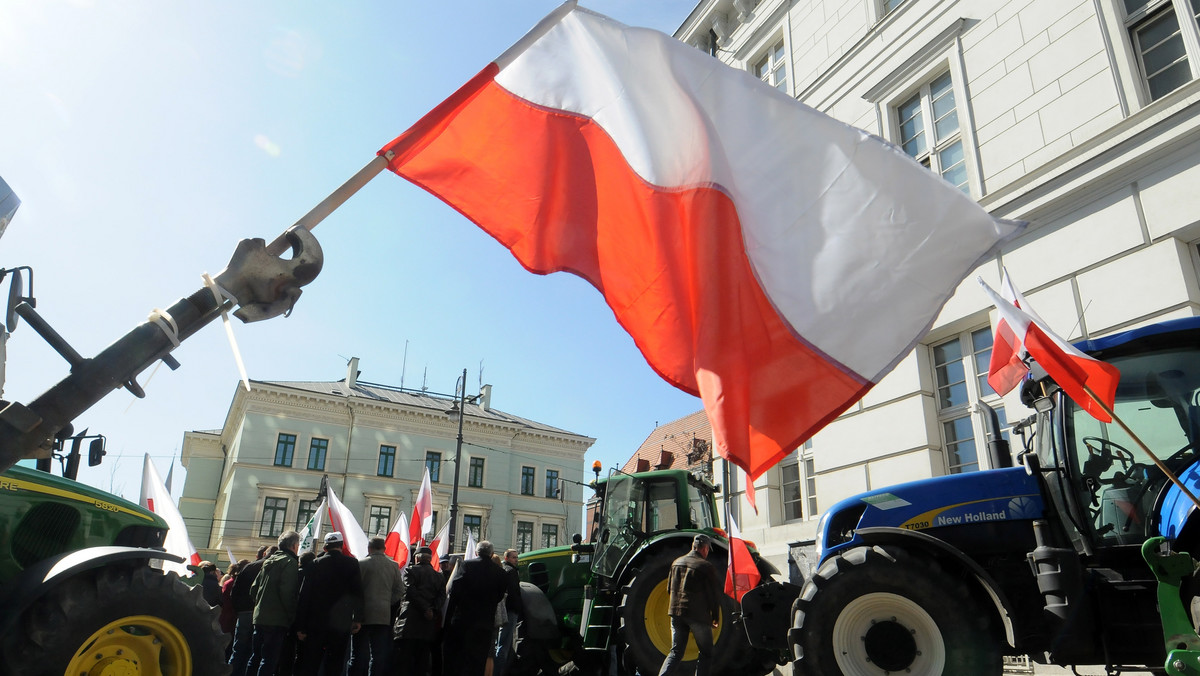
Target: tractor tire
[(530, 656), (880, 610), (119, 619), (645, 629)]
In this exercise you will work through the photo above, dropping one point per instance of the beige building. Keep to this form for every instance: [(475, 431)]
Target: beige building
[(520, 481)]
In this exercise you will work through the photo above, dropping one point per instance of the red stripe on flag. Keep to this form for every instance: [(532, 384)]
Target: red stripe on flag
[(1072, 373), (671, 262), (1006, 369)]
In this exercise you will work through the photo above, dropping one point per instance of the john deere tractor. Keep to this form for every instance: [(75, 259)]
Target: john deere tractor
[(605, 600), (80, 593)]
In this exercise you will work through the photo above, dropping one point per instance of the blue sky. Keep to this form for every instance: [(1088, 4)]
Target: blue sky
[(145, 138)]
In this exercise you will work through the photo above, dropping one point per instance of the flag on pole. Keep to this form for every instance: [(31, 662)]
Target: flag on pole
[(422, 518), (395, 546), (440, 546), (741, 575), (229, 553), (771, 260), (1007, 366), (159, 501), (170, 473), (354, 540), (470, 551), (311, 533), (1074, 371)]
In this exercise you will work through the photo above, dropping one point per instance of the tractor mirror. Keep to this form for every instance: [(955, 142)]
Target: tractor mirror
[(95, 452), (16, 289)]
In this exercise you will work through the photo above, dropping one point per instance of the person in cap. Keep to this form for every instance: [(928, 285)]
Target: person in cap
[(331, 607), (420, 620), (695, 606), (471, 613)]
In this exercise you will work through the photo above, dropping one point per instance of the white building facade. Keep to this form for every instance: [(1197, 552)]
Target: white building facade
[(1078, 116), (520, 481)]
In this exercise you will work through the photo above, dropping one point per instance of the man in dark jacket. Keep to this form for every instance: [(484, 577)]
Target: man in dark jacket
[(695, 606), (331, 606), (276, 589), (471, 613), (243, 605), (210, 584), (420, 617), (514, 611), (383, 589)]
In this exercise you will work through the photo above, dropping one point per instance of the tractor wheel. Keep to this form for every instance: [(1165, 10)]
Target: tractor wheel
[(645, 630), (118, 620), (880, 610), (531, 657)]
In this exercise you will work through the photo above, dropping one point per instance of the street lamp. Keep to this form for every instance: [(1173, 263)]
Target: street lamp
[(458, 410)]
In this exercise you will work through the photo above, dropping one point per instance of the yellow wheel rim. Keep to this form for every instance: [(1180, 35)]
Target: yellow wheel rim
[(658, 624), (138, 645)]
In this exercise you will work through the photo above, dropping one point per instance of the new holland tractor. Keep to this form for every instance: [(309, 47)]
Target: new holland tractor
[(603, 603), (80, 592), (1081, 554)]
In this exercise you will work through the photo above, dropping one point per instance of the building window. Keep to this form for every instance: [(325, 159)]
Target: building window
[(285, 448), (379, 521), (1156, 33), (961, 367), (317, 450), (474, 524), (433, 520), (799, 484), (304, 512), (549, 535), (433, 461), (810, 485), (889, 5), (931, 133), (475, 473), (552, 483), (772, 67), (387, 461), (274, 510), (524, 536), (527, 480)]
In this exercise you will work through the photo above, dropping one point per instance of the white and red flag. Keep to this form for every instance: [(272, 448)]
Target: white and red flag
[(1075, 372), (741, 575), (422, 518), (763, 256), (440, 546), (396, 544), (158, 499), (1007, 367), (341, 519)]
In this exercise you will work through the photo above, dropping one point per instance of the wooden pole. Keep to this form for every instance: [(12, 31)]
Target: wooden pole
[(1159, 463)]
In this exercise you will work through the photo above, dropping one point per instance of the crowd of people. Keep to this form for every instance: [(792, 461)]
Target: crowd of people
[(293, 614)]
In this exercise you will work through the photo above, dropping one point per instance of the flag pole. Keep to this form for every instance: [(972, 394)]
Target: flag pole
[(1125, 428), (336, 199)]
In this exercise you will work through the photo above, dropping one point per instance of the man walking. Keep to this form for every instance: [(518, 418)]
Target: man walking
[(514, 610), (383, 589), (243, 605), (471, 614), (331, 606), (420, 617), (275, 590), (695, 606)]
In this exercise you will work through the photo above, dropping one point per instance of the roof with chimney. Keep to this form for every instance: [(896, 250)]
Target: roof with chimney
[(351, 386), (680, 444)]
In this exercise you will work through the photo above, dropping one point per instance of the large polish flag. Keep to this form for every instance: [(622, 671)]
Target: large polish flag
[(395, 546), (1075, 372), (354, 540), (1007, 366), (157, 499), (769, 259), (422, 518)]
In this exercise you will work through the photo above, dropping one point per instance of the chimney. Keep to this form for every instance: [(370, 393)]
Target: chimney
[(352, 373), (643, 465), (665, 458), (485, 397)]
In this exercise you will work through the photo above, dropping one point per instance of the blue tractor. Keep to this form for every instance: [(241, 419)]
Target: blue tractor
[(1044, 558)]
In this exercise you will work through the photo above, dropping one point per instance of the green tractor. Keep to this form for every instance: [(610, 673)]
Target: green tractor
[(592, 603), (79, 588)]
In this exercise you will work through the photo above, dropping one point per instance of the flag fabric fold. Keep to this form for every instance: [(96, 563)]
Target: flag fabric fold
[(469, 552), (311, 533), (440, 546), (354, 540), (1073, 371), (158, 500), (741, 575), (422, 517), (764, 257), (396, 544)]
